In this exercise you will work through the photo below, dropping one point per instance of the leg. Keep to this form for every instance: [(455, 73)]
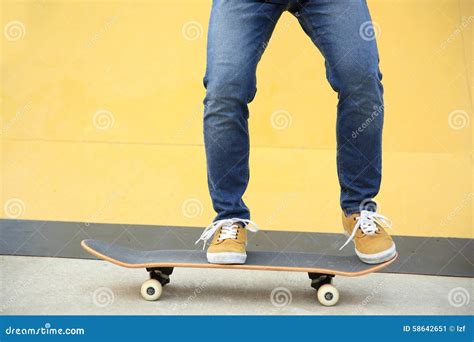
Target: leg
[(337, 28), (238, 34)]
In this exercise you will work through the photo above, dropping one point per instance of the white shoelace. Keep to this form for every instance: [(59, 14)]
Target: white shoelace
[(368, 222), (229, 229)]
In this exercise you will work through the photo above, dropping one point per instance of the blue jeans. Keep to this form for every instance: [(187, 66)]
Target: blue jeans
[(239, 31)]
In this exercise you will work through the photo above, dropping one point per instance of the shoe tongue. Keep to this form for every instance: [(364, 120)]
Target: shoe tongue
[(369, 227)]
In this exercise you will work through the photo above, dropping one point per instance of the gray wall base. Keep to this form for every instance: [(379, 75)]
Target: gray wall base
[(418, 255)]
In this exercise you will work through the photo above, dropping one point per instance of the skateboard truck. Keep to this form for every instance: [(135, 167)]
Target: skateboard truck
[(319, 279), (162, 274)]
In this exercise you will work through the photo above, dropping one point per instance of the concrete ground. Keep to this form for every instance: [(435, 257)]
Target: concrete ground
[(32, 285)]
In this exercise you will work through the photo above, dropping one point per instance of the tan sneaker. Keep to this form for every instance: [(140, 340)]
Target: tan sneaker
[(372, 243), (229, 240)]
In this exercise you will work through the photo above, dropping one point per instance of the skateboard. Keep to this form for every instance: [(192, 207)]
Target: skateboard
[(321, 268)]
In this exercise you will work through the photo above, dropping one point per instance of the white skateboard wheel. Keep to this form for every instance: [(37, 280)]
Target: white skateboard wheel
[(151, 290), (328, 295)]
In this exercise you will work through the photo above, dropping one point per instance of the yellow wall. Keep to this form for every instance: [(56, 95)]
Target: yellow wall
[(102, 104)]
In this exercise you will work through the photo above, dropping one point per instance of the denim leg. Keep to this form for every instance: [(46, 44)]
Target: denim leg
[(238, 34), (341, 29)]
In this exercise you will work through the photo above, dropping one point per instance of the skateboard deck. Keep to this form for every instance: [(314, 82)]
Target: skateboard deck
[(160, 263)]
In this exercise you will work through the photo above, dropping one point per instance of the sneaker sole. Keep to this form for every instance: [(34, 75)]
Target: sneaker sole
[(227, 258), (377, 258)]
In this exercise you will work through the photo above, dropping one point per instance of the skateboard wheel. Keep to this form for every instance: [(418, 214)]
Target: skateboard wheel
[(328, 295), (151, 290)]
